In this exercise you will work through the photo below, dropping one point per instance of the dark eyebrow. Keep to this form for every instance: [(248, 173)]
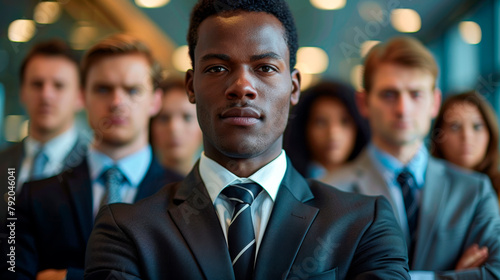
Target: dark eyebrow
[(226, 57), (266, 55), (209, 56)]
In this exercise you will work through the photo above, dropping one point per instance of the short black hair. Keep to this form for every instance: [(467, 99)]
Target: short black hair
[(51, 48), (277, 8)]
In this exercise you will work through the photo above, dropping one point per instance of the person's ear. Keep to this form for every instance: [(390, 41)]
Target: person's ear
[(362, 102), (437, 96), (190, 86), (294, 99)]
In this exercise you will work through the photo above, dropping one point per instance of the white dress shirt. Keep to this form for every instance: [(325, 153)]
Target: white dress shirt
[(56, 150), (216, 178)]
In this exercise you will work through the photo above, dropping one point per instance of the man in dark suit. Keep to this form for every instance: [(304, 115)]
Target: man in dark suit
[(50, 93), (244, 212), (55, 215)]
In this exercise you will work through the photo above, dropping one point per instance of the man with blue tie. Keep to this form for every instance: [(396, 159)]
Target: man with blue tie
[(449, 216), (50, 93), (55, 215), (244, 212)]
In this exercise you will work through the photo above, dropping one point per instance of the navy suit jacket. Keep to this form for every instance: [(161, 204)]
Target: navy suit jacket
[(55, 220), (314, 232), (13, 156)]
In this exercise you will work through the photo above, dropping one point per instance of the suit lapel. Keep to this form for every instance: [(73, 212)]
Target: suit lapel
[(196, 219), (371, 181), (436, 188), (80, 190), (289, 214), (77, 153)]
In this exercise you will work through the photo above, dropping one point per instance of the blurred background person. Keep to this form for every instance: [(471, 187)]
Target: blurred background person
[(325, 130), (466, 134), (175, 134), (56, 215), (50, 94)]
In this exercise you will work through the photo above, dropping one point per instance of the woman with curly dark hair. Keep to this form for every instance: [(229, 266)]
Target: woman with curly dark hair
[(466, 134), (325, 129)]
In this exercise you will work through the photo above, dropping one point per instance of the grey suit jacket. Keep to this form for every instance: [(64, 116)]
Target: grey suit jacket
[(458, 208)]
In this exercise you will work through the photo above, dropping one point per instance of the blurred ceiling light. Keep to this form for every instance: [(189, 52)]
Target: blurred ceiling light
[(470, 32), (406, 20), (371, 11), (21, 30), (328, 4), (307, 80), (312, 60), (47, 12), (180, 59), (367, 46), (357, 76), (14, 127), (151, 3), (83, 35)]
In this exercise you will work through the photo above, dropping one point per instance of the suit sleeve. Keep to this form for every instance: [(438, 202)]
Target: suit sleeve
[(484, 231), (381, 253), (110, 253)]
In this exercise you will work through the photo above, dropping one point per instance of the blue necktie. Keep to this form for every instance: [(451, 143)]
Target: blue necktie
[(39, 162), (408, 185), (241, 236), (113, 180)]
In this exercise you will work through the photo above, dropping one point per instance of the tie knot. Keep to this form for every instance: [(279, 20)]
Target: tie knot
[(113, 176), (242, 193), (405, 177)]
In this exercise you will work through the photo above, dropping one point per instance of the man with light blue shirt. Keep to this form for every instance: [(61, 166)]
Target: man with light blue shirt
[(50, 93), (449, 217), (55, 215)]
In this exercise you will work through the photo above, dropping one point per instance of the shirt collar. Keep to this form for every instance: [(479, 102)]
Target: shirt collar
[(390, 167), (133, 166), (216, 178), (56, 149)]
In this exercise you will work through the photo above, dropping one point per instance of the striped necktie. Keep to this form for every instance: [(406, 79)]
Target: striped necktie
[(241, 236), (408, 186)]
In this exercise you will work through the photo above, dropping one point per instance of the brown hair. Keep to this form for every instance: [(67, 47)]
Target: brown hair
[(171, 83), (52, 48), (490, 162), (119, 44), (404, 51)]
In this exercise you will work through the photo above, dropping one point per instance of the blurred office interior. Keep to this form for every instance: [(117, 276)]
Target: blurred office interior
[(334, 35)]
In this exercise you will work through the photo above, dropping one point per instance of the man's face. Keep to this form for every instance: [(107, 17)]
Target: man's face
[(242, 85), (50, 93), (400, 105), (120, 99)]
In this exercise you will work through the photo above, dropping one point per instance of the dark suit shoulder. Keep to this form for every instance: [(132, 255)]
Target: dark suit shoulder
[(331, 198), (13, 150), (45, 187), (158, 201)]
